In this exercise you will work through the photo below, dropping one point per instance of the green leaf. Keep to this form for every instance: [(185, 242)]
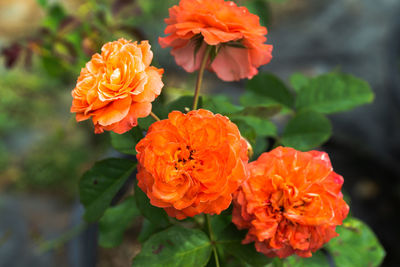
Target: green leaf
[(271, 87), (126, 143), (219, 223), (277, 262), (156, 215), (229, 242), (356, 245), (115, 221), (99, 185), (145, 123), (318, 259), (260, 147), (246, 130), (250, 99), (261, 8), (298, 81), (307, 130), (220, 104), (262, 127), (176, 246), (334, 92), (260, 111), (159, 108), (147, 230)]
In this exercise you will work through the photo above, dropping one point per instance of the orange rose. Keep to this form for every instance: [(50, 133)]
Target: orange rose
[(191, 163), (117, 86), (291, 202), (236, 32)]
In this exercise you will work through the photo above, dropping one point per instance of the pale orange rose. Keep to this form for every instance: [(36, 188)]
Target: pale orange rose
[(291, 202), (237, 34), (191, 163), (117, 86)]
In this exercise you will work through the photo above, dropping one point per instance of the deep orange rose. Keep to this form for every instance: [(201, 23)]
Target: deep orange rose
[(192, 163), (237, 33), (291, 202), (117, 86)]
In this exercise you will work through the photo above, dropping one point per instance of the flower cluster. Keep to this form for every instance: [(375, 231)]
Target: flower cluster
[(291, 202), (197, 162)]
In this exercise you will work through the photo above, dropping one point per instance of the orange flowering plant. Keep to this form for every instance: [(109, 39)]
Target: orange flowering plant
[(219, 184)]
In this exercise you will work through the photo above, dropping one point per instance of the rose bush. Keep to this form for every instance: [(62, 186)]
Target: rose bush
[(195, 161)]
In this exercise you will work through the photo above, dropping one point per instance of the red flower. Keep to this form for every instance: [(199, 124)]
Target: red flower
[(236, 33), (117, 86), (291, 202), (191, 163)]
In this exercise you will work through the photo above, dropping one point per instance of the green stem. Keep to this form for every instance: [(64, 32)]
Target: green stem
[(154, 116), (200, 76), (212, 238)]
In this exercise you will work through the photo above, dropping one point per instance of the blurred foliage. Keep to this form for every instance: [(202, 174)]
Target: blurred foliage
[(41, 145), (66, 41), (115, 221)]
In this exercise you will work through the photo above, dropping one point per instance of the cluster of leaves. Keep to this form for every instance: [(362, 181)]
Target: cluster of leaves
[(165, 242), (261, 113), (304, 108)]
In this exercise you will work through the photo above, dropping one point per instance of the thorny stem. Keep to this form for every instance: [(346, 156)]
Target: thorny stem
[(154, 116), (212, 238), (200, 76)]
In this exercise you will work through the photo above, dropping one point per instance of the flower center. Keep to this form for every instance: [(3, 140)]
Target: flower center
[(184, 159), (284, 197), (116, 76)]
